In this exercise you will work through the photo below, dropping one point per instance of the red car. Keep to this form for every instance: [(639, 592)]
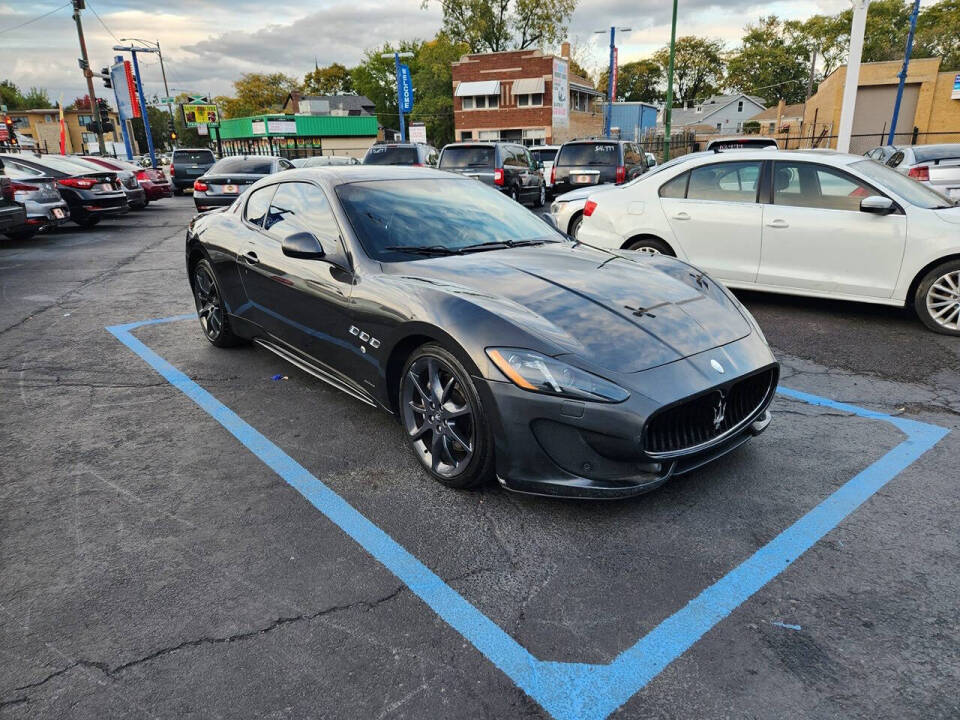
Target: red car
[(154, 183)]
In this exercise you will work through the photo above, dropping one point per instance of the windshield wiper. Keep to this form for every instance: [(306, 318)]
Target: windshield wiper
[(424, 249), (501, 244)]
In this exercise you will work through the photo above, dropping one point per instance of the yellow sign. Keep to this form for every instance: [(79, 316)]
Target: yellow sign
[(194, 115)]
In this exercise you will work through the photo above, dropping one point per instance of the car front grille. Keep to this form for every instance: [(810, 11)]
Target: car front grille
[(707, 418)]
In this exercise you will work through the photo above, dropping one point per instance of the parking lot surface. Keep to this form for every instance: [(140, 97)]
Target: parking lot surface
[(154, 566)]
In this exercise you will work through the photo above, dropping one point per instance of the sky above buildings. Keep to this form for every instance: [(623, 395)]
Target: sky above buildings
[(209, 43)]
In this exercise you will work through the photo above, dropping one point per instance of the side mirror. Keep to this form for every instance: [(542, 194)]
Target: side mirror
[(302, 245), (877, 204)]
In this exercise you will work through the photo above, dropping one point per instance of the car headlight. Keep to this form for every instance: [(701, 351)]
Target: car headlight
[(540, 373)]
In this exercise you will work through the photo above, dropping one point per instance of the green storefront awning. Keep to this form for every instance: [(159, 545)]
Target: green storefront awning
[(259, 126)]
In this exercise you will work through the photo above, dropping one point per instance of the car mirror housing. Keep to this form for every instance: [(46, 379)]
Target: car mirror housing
[(303, 245), (877, 204)]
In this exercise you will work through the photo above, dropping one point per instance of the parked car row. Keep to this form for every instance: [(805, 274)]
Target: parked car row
[(937, 166)]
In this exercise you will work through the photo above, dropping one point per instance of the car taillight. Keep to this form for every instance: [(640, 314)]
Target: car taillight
[(76, 182), (498, 176), (589, 208), (142, 175), (553, 175), (920, 172), (621, 173), (8, 192), (200, 186), (171, 170), (21, 187), (418, 165)]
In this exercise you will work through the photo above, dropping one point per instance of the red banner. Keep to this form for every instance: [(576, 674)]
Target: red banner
[(132, 88), (615, 73)]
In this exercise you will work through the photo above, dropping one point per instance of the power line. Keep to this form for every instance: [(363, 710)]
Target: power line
[(100, 20), (39, 17)]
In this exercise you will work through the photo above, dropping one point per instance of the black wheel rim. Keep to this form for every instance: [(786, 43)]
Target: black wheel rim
[(438, 417), (209, 309)]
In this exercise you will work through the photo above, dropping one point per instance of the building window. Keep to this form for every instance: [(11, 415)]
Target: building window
[(466, 135), (773, 127), (740, 106), (719, 127), (530, 100), (489, 135), (84, 119), (480, 102), (535, 136), (579, 101), (740, 126), (48, 118)]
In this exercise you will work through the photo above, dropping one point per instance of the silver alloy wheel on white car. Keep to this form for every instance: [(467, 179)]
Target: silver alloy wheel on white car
[(943, 300)]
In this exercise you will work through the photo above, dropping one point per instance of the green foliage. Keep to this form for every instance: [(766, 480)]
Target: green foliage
[(374, 77), (751, 127), (638, 81), (14, 99), (258, 93), (496, 25), (771, 63), (328, 80), (158, 129), (698, 68), (938, 32), (432, 82)]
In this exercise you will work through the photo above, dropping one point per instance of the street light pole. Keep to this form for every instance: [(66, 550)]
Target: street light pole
[(396, 69), (668, 108), (163, 71), (143, 101), (78, 5), (611, 71)]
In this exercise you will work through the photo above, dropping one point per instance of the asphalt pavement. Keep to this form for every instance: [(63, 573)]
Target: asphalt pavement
[(154, 565)]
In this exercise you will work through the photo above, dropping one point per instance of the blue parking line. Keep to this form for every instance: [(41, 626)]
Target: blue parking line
[(569, 691)]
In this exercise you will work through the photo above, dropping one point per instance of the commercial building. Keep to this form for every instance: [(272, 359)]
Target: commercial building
[(40, 129), (523, 96), (721, 114), (298, 135), (929, 111)]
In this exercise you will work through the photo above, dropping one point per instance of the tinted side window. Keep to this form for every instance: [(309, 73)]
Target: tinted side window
[(676, 188), (895, 159), (301, 207), (631, 156), (257, 204), (511, 158), (817, 186), (729, 182)]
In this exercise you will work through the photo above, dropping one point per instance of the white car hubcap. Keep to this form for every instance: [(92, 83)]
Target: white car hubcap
[(943, 300)]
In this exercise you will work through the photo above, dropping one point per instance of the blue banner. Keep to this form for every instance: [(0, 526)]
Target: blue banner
[(406, 89)]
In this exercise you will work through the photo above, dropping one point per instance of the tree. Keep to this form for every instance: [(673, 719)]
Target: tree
[(328, 80), (771, 63), (938, 32), (14, 99), (432, 82), (82, 102), (36, 98), (698, 67), (637, 81), (374, 77), (496, 25), (158, 129), (259, 93)]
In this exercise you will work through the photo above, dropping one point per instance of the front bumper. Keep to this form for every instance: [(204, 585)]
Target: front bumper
[(563, 212), (136, 197), (566, 448)]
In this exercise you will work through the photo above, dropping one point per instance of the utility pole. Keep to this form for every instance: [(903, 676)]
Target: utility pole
[(857, 29), (79, 5), (903, 72), (813, 70), (668, 108), (611, 75)]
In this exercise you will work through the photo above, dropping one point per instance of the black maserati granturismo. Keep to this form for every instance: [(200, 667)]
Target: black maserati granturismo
[(505, 348)]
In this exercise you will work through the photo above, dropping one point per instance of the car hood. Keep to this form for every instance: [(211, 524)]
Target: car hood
[(585, 192), (617, 313)]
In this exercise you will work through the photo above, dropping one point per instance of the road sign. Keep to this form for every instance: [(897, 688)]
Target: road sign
[(195, 114)]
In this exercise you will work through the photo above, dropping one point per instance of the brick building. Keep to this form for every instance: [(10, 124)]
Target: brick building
[(523, 96)]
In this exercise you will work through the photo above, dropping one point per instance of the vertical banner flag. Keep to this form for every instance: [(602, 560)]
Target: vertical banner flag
[(561, 94), (616, 72), (63, 131), (406, 89), (132, 88)]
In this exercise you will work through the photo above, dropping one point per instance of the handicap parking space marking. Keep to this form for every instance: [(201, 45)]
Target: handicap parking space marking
[(569, 691)]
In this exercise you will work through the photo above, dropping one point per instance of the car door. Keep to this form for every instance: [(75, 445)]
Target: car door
[(815, 237), (716, 217), (531, 174), (303, 302)]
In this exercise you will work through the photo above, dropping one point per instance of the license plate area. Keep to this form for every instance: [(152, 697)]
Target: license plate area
[(231, 189), (585, 179), (58, 213)]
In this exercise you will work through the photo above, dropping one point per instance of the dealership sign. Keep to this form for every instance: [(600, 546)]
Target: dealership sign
[(418, 133), (406, 89), (195, 114), (956, 88), (561, 93), (121, 77)]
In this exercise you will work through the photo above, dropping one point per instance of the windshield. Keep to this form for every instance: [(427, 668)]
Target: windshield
[(932, 153), (386, 155), (467, 156), (588, 154), (251, 165), (909, 189), (70, 166), (544, 155), (442, 213), (197, 157)]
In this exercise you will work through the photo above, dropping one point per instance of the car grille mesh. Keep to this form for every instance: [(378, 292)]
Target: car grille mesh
[(700, 420)]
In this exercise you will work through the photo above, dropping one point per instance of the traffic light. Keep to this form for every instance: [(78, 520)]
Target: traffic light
[(106, 77)]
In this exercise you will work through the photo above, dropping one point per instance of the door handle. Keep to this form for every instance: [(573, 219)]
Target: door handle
[(251, 257), (681, 216), (778, 224)]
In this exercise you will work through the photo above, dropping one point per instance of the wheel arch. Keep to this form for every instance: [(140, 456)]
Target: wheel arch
[(915, 283), (573, 218), (648, 236)]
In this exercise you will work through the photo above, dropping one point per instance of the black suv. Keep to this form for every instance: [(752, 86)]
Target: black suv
[(401, 154), (507, 166), (187, 165), (596, 162)]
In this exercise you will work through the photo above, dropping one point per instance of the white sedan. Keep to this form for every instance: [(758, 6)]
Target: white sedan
[(819, 224)]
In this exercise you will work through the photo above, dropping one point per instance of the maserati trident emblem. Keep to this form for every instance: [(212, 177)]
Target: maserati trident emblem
[(716, 366), (719, 412)]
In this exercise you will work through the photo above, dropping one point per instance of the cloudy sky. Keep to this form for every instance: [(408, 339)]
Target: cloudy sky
[(209, 43)]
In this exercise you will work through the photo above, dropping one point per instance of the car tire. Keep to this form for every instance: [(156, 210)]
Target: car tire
[(445, 423), (146, 202), (177, 191), (574, 228), (937, 299), (21, 235), (649, 246), (515, 193), (210, 308), (542, 197)]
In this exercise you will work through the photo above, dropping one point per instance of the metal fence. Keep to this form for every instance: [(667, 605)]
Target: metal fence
[(864, 142)]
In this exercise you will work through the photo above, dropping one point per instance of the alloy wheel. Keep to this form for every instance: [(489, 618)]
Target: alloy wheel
[(438, 417), (209, 308), (943, 300), (543, 196)]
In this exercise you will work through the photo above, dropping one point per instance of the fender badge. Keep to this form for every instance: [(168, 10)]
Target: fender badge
[(716, 366)]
